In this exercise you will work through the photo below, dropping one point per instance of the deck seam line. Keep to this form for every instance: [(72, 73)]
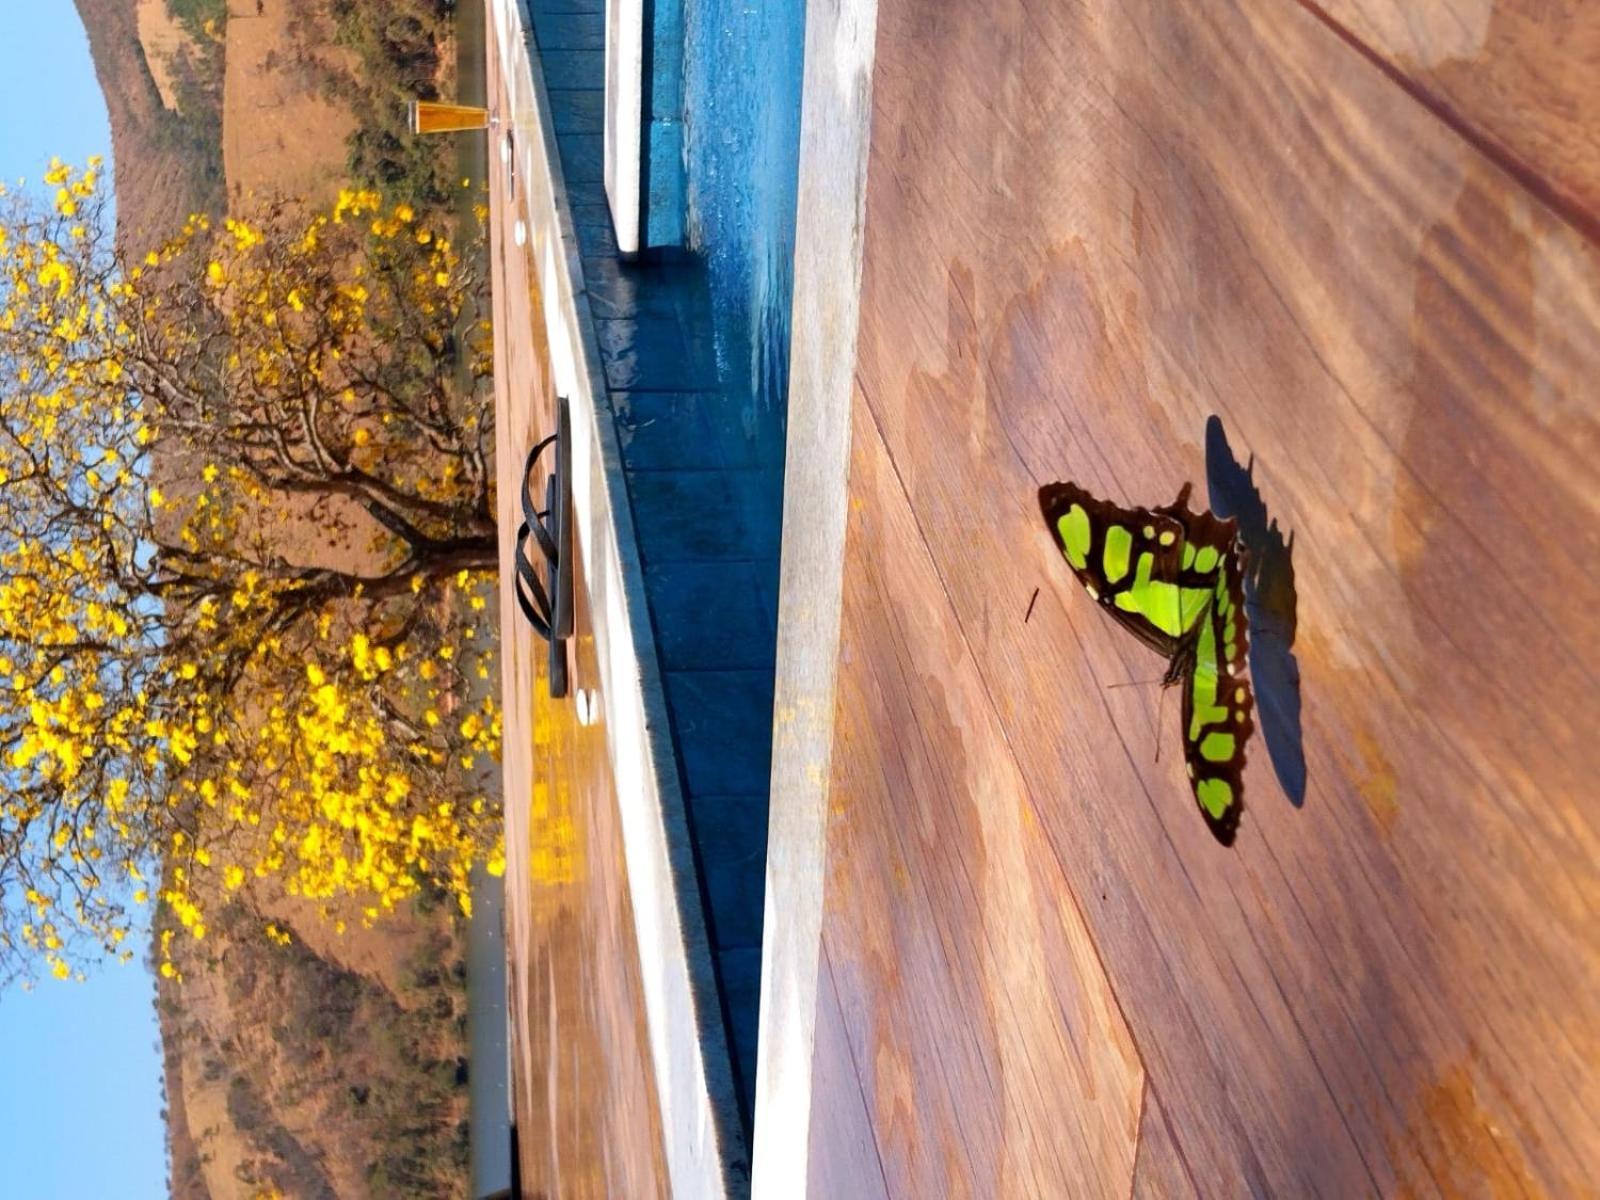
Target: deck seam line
[(1547, 193)]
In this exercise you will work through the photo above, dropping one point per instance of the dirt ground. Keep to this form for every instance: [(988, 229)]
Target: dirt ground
[(278, 133)]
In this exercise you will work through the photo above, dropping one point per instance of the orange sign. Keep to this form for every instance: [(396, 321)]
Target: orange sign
[(429, 116)]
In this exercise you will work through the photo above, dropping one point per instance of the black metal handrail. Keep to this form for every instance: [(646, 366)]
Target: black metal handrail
[(547, 602)]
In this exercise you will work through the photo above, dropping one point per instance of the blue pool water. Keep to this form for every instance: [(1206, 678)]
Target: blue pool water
[(695, 349), (741, 94), (742, 76)]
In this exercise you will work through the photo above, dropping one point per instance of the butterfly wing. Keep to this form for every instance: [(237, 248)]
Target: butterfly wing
[(1129, 560), (1174, 579), (1217, 704)]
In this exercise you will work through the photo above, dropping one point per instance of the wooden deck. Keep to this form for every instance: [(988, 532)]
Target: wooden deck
[(1366, 237), (584, 1091)]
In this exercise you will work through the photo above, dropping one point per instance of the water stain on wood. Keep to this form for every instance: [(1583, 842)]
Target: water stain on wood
[(1377, 782), (1466, 1151)]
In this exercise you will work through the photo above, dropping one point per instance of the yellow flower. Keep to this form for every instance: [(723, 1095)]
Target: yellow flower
[(56, 273), (324, 776)]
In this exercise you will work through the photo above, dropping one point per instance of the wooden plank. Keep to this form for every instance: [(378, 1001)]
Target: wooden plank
[(1160, 1172), (989, 1046), (587, 1119), (842, 1151), (1520, 77), (584, 1094), (1090, 226)]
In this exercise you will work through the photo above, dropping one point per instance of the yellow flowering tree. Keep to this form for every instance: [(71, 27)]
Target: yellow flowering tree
[(245, 517)]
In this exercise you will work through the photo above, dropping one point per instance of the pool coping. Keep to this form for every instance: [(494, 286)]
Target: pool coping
[(835, 131), (704, 1146)]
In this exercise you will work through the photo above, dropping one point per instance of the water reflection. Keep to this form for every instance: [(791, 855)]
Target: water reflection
[(742, 80)]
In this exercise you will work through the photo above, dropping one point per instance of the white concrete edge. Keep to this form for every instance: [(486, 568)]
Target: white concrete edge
[(692, 1068), (624, 124), (835, 128)]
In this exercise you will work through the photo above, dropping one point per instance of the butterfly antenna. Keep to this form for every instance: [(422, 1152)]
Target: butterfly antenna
[(1155, 730)]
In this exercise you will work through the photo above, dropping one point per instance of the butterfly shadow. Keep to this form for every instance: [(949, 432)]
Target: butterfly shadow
[(1269, 597)]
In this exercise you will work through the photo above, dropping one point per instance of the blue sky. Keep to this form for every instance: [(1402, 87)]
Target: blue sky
[(80, 1095)]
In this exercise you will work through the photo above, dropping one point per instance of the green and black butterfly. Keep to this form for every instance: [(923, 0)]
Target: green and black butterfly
[(1174, 579)]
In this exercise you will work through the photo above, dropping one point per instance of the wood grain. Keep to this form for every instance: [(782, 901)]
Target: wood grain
[(984, 1011), (842, 1152), (1515, 76), (587, 1118), (1089, 227), (584, 1094), (1160, 1172)]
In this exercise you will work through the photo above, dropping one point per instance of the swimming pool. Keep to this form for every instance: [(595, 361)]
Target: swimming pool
[(694, 347), (742, 76)]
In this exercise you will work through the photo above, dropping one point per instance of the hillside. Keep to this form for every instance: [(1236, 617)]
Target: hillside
[(332, 1065), (280, 132), (168, 164)]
